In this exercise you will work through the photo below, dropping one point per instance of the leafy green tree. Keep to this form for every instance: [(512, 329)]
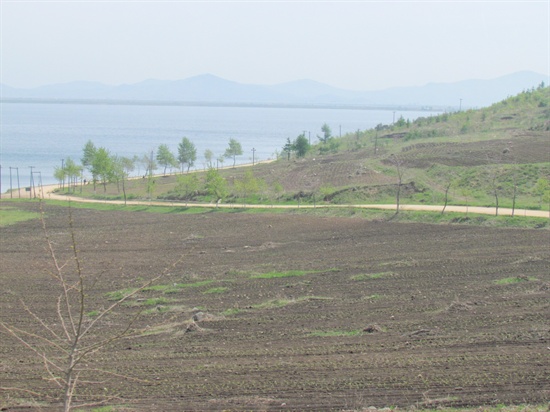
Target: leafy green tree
[(187, 153), (186, 185), (248, 185), (148, 161), (216, 185), (88, 154), (102, 167), (301, 145), (59, 173), (288, 148), (165, 157), (235, 149), (208, 156), (327, 133), (73, 171)]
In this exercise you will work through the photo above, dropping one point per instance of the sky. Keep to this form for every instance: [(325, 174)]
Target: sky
[(355, 45)]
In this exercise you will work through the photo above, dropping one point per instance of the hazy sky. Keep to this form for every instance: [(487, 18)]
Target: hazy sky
[(359, 45)]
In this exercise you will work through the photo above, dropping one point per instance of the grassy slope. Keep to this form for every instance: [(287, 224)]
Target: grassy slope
[(502, 147)]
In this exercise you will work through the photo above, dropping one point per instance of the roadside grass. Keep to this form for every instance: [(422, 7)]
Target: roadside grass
[(11, 216), (404, 216)]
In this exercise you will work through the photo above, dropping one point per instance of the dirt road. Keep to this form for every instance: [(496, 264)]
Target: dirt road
[(49, 194)]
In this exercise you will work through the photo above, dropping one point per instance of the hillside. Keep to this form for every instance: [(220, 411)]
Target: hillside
[(496, 156)]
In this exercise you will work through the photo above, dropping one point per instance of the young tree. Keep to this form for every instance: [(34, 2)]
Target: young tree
[(208, 156), (73, 171), (235, 149), (399, 165), (301, 145), (187, 153), (248, 185), (288, 148), (216, 185), (187, 185), (102, 167), (327, 133), (165, 157), (88, 155), (66, 344)]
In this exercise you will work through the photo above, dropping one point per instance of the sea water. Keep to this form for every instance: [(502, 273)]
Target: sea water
[(39, 137)]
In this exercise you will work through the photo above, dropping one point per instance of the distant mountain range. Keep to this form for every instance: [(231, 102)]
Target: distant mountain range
[(208, 89)]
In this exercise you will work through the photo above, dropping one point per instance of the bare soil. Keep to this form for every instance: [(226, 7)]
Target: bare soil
[(387, 313)]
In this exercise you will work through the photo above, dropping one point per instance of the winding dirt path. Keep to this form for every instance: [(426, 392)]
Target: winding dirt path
[(49, 194)]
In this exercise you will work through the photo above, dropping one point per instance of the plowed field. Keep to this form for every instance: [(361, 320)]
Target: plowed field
[(292, 312)]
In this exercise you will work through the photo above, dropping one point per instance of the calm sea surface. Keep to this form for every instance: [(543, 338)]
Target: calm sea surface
[(40, 135)]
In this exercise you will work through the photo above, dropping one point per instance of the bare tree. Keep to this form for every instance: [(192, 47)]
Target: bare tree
[(399, 165), (64, 346)]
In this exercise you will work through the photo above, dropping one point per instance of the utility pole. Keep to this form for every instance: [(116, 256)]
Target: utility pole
[(11, 192), (31, 183), (18, 185), (253, 153), (63, 169), (460, 106)]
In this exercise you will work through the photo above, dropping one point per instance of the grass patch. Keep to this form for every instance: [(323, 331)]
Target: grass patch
[(92, 314), (373, 297), (120, 294), (232, 311), (217, 290), (10, 216), (369, 276), (177, 287), (335, 333), (514, 279), (158, 309), (289, 273)]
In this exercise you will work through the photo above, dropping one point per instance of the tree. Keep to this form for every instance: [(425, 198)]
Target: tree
[(66, 344), (216, 185), (187, 153), (122, 166), (208, 156), (400, 170), (248, 185), (102, 167), (327, 134), (73, 171), (301, 145), (288, 148), (88, 155), (165, 157), (59, 173), (233, 150), (186, 185), (148, 161)]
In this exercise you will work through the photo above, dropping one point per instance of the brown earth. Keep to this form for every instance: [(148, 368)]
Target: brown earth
[(388, 313)]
